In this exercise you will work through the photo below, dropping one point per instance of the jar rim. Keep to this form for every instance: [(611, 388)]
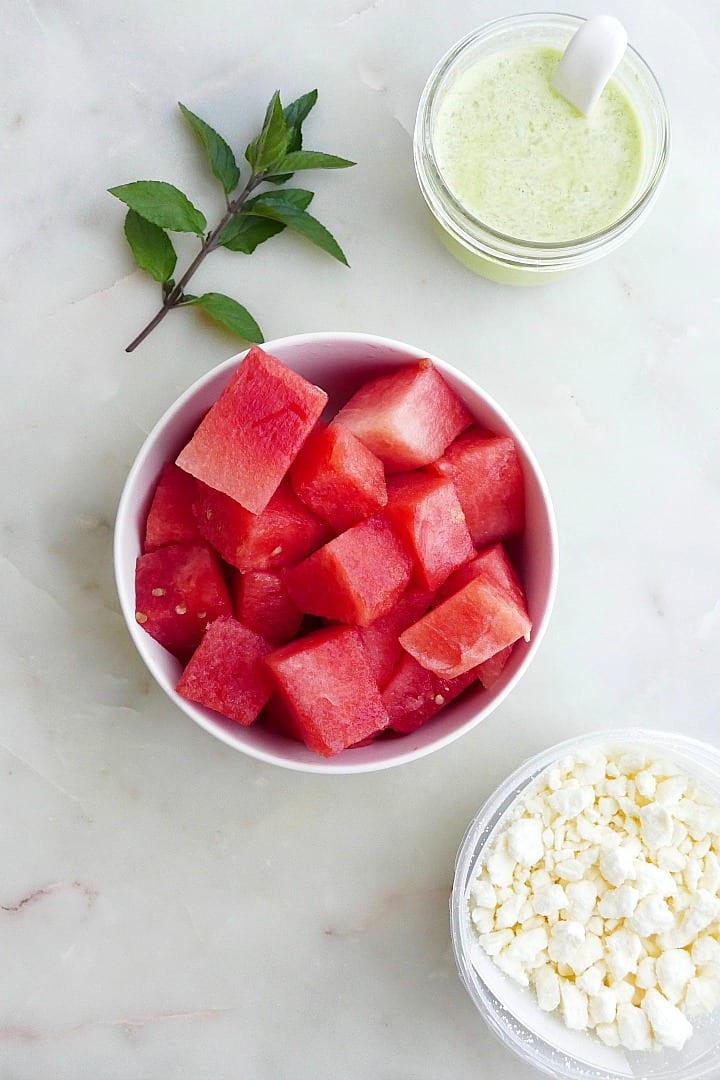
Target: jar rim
[(479, 237)]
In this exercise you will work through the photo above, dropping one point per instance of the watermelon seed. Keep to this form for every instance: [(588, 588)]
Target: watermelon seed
[(158, 592), (276, 551), (180, 610), (439, 699), (202, 614), (140, 617)]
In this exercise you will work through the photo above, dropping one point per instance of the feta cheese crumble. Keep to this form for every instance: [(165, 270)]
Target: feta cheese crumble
[(601, 893)]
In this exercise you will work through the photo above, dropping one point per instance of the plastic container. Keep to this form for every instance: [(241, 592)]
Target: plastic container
[(511, 1012), (340, 363), (496, 255)]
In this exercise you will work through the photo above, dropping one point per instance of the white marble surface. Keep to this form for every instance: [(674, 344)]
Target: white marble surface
[(170, 909)]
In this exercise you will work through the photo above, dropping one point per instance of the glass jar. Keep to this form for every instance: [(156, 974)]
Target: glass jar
[(511, 1013), (476, 244)]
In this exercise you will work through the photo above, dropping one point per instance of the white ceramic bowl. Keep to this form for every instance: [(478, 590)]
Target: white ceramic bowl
[(511, 1013), (340, 363)]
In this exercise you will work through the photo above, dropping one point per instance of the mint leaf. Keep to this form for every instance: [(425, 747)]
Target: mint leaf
[(313, 159), (162, 204), (228, 313), (299, 221), (222, 160), (151, 246), (266, 151), (297, 112), (246, 233), (296, 197)]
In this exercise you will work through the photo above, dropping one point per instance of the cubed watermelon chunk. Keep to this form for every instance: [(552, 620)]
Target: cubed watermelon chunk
[(278, 716), (490, 670), (367, 741), (427, 516), (226, 672), (380, 639), (326, 681), (407, 418), (414, 694), (262, 604), (338, 478), (355, 578), (466, 629), (247, 441), (283, 534), (171, 519), (494, 563), (487, 474), (179, 589)]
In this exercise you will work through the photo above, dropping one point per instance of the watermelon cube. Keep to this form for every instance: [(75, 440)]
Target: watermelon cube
[(407, 418), (490, 670), (355, 578), (179, 589), (338, 478), (380, 639), (262, 604), (414, 694), (278, 716), (248, 439), (226, 672), (494, 563), (469, 627), (367, 741), (326, 681), (171, 519), (284, 533), (427, 516), (487, 474)]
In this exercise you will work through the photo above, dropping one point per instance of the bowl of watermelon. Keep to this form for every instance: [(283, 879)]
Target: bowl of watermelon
[(336, 553)]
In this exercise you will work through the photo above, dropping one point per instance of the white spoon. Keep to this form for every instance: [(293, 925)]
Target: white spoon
[(593, 54)]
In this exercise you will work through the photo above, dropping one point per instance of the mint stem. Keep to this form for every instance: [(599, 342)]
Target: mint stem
[(209, 243)]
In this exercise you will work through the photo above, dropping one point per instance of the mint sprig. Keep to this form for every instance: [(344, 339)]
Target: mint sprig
[(274, 155)]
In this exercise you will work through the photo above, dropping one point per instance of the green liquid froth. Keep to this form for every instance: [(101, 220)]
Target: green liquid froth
[(524, 161)]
